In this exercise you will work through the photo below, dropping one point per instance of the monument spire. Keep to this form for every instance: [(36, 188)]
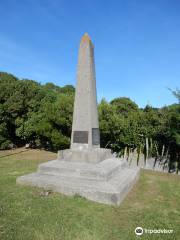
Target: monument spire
[(85, 37), (85, 169), (85, 128)]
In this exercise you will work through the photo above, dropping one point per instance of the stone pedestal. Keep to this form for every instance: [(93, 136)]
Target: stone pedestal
[(106, 182)]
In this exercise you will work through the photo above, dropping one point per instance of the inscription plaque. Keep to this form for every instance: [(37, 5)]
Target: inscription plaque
[(95, 136), (80, 136)]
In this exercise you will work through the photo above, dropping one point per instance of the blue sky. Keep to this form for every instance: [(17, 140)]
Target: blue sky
[(137, 44)]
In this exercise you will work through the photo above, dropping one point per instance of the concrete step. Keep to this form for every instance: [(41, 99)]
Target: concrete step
[(109, 192), (124, 182), (100, 171)]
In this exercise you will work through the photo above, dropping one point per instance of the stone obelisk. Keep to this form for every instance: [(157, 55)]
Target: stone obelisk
[(85, 128), (85, 168)]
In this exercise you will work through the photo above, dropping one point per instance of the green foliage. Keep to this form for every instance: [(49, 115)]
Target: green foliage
[(4, 141), (124, 105), (42, 115), (151, 131), (35, 113)]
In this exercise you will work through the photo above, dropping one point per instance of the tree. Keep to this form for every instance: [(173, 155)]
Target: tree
[(42, 115), (124, 105), (176, 93)]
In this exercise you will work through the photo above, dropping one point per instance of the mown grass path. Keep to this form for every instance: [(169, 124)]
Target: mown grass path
[(25, 214)]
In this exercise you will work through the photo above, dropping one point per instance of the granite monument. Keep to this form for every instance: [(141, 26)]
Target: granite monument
[(85, 168)]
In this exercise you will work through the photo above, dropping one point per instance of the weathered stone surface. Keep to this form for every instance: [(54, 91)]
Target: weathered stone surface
[(106, 182), (85, 155), (85, 116), (101, 171)]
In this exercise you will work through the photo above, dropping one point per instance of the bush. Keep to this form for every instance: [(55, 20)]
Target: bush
[(5, 145)]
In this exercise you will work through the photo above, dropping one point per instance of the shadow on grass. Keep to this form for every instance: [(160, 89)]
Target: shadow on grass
[(10, 154)]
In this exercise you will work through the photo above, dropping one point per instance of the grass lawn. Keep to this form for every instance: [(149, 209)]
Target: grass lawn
[(154, 203)]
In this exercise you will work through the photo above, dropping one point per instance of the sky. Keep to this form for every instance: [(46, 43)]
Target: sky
[(137, 44)]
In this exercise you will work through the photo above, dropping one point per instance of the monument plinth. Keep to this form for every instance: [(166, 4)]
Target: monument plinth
[(85, 168)]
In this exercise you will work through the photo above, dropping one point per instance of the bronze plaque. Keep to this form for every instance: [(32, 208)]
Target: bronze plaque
[(95, 136), (80, 136)]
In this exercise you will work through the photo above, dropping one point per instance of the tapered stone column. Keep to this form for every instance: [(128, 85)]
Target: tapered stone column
[(85, 128), (85, 168)]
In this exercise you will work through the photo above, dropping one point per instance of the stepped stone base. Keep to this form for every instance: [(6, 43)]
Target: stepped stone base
[(106, 182)]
